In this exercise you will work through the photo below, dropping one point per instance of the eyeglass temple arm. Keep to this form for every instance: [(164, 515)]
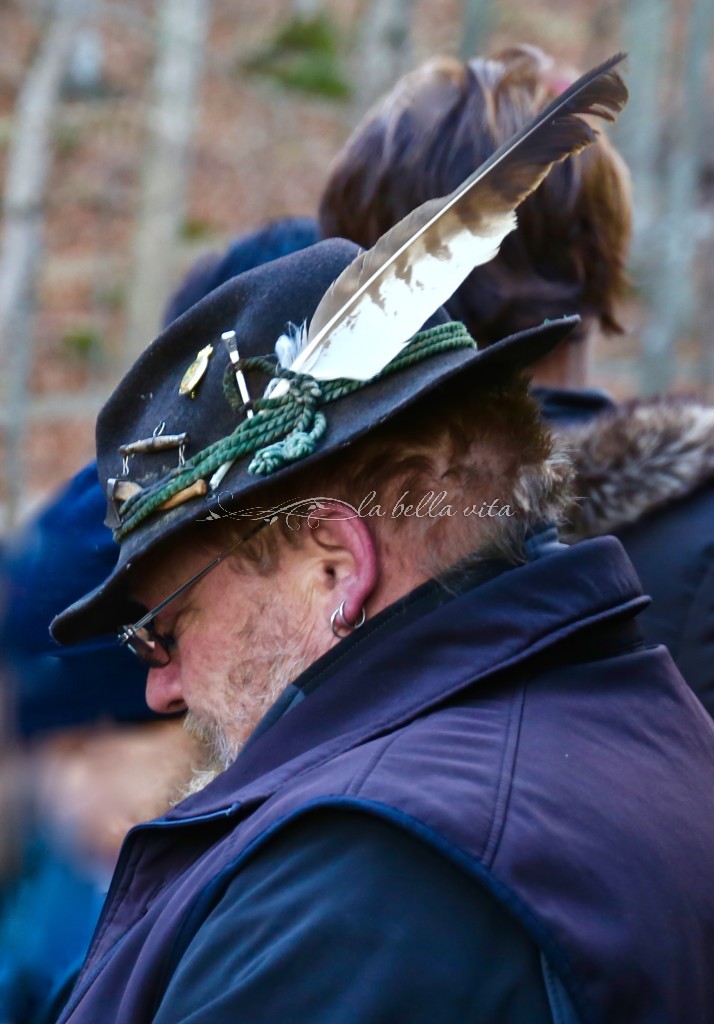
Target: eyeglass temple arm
[(127, 634)]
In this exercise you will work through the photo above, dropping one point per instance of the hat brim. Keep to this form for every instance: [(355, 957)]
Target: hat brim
[(109, 605)]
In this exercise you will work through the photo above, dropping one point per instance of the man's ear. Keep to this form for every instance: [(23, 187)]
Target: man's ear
[(345, 561)]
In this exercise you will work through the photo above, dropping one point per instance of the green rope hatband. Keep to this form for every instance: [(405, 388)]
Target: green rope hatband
[(283, 429)]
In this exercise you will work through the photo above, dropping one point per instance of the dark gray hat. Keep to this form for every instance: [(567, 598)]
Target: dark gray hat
[(178, 415)]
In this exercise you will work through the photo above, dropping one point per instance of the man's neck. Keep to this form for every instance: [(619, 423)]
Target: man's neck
[(566, 367)]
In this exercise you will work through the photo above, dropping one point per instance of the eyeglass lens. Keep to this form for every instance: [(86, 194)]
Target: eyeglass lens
[(147, 645)]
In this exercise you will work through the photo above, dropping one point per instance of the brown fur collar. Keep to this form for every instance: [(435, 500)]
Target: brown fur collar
[(642, 456)]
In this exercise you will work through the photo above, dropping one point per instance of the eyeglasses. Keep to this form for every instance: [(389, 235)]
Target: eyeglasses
[(153, 648)]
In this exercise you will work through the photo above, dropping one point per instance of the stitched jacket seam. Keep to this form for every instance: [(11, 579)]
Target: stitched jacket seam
[(504, 785), (362, 778)]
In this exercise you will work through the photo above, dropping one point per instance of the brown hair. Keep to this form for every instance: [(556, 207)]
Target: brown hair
[(476, 443), (437, 125)]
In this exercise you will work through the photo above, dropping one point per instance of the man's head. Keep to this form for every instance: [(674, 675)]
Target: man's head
[(402, 477), (410, 503), (425, 137)]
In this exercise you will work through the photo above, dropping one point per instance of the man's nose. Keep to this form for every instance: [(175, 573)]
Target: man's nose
[(163, 690)]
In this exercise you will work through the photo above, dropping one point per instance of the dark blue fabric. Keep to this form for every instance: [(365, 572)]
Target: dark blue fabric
[(348, 919), (62, 553), (59, 555), (567, 407), (269, 243), (672, 550), (46, 922), (410, 608), (522, 732)]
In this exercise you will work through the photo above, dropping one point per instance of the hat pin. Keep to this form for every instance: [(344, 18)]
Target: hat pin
[(229, 340)]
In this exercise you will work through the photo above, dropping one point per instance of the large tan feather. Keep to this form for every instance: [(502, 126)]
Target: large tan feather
[(382, 299)]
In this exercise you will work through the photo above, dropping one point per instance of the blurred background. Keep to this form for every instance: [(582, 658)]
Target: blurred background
[(136, 135)]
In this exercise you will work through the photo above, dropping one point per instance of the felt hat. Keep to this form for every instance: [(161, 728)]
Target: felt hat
[(178, 414)]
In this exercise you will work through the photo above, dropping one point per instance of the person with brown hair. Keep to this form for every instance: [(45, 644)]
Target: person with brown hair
[(438, 124), (644, 471)]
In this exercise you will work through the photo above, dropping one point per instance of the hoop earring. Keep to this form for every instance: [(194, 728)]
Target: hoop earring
[(349, 627)]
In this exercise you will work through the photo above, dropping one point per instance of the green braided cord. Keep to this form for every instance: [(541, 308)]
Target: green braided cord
[(230, 390), (297, 445), (274, 419), (283, 429)]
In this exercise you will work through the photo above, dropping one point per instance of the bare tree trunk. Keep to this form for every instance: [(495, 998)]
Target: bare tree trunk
[(383, 52), (182, 27), (673, 291), (705, 305), (478, 22), (85, 74), (639, 130), (29, 164)]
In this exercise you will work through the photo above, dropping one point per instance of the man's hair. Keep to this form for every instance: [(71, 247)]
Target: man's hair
[(478, 444), (437, 126)]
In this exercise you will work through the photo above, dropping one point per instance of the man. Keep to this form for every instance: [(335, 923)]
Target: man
[(644, 472), (455, 785)]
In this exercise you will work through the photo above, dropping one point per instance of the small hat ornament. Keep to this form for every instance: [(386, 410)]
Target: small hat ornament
[(229, 340), (192, 377)]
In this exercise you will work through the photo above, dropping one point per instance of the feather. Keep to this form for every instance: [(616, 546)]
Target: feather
[(289, 345), (384, 296)]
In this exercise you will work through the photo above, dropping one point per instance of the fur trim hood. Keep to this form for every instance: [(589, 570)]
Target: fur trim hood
[(642, 456)]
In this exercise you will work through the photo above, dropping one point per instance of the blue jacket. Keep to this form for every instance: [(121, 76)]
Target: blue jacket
[(519, 731), (645, 473)]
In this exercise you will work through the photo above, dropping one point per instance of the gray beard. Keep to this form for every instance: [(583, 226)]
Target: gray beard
[(218, 751)]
